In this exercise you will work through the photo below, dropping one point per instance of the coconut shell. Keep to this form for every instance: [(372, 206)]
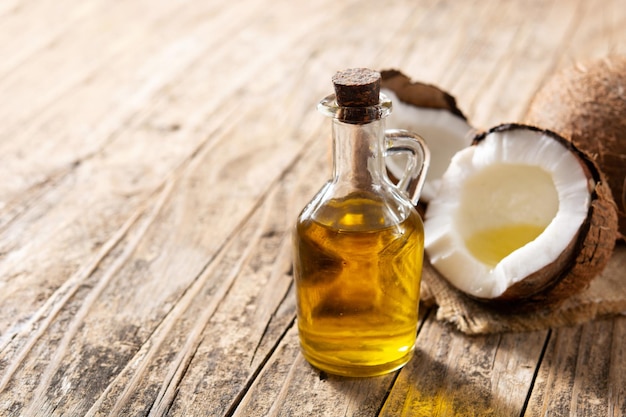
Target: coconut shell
[(422, 96), (419, 94), (586, 255), (586, 104)]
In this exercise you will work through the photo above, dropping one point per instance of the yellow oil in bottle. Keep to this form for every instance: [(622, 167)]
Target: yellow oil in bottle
[(358, 286), (492, 245)]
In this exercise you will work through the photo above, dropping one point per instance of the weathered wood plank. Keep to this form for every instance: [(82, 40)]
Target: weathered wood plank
[(523, 50), (582, 372), (132, 167), (288, 386), (599, 31), (257, 165), (35, 25), (131, 75), (312, 171), (245, 284), (91, 44), (40, 396), (453, 374), (156, 154)]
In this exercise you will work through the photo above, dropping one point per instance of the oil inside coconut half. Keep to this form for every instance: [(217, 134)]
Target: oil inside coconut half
[(505, 206)]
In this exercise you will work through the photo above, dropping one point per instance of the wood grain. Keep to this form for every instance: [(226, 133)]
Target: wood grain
[(153, 156), (452, 375), (582, 373)]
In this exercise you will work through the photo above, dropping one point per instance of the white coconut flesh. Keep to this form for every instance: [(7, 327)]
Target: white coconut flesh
[(444, 133), (506, 208)]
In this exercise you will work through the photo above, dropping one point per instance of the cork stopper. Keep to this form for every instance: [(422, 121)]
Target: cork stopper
[(357, 87)]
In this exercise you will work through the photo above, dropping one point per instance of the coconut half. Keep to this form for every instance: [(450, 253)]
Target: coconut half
[(431, 113), (520, 214), (586, 103)]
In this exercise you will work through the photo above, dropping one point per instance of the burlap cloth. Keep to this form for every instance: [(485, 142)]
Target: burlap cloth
[(605, 296)]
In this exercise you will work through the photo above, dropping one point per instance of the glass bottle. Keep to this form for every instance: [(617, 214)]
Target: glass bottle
[(358, 245)]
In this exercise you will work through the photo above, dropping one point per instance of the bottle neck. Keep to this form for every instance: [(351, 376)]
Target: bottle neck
[(358, 161)]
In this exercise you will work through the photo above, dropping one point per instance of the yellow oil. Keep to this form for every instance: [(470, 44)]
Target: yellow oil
[(492, 245), (358, 287)]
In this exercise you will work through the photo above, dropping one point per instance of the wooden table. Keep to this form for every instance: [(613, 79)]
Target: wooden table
[(154, 155)]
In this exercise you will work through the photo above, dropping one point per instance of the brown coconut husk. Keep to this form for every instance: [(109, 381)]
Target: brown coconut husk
[(586, 104), (419, 94)]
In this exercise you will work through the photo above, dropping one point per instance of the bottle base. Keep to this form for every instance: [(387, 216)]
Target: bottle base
[(355, 369)]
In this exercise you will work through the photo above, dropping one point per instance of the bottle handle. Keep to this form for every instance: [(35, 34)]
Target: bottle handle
[(403, 141)]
